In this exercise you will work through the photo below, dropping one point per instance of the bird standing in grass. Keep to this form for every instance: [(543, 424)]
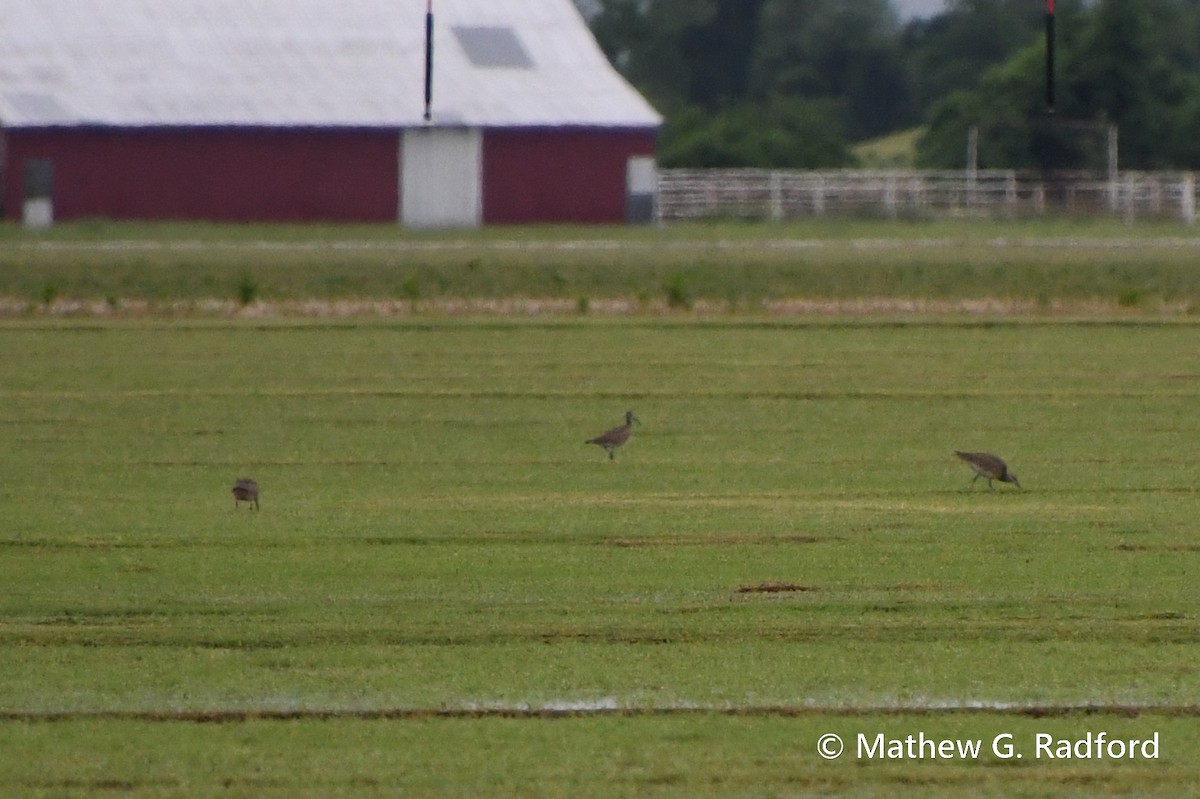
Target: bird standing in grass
[(989, 466), (245, 490), (616, 437)]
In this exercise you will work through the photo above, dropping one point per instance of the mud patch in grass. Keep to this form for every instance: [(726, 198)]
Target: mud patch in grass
[(775, 587)]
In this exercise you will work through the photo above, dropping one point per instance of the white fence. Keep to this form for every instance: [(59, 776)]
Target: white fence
[(790, 194)]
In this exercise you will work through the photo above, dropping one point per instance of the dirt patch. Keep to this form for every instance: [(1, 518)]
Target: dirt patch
[(1150, 548), (90, 786), (774, 587), (724, 539), (785, 307)]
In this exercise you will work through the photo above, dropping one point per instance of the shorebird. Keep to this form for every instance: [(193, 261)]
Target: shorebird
[(987, 465), (612, 439), (245, 490)]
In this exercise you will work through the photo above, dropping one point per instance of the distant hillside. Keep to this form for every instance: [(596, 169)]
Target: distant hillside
[(894, 151)]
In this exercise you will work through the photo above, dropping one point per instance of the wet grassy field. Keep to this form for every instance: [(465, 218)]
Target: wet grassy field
[(446, 593)]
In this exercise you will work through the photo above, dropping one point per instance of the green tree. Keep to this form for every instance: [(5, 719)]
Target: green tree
[(795, 134), (779, 82), (951, 51), (642, 42), (681, 52), (842, 51), (1185, 127), (719, 51), (1112, 69), (1121, 74), (1008, 110)]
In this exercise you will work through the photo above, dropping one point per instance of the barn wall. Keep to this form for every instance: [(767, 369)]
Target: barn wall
[(244, 175), (4, 214), (558, 175)]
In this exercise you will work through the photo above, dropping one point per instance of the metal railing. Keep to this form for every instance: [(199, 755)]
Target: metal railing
[(790, 194)]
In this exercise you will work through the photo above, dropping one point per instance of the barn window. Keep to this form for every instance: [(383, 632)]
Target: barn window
[(493, 47)]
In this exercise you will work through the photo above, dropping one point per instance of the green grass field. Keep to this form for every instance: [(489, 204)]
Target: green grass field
[(1060, 266), (446, 593)]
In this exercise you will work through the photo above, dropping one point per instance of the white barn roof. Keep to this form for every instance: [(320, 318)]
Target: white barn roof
[(345, 63)]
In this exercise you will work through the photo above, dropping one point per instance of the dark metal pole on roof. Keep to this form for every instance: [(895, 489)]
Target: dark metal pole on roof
[(429, 61)]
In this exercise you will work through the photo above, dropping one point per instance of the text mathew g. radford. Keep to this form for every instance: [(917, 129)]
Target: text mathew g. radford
[(1006, 746)]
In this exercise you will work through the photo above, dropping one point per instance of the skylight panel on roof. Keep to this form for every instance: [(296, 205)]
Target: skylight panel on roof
[(493, 47)]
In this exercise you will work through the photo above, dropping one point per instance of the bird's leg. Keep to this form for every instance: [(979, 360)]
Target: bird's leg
[(611, 453)]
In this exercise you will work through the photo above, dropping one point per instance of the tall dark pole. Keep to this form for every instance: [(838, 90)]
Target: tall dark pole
[(1050, 56), (429, 60)]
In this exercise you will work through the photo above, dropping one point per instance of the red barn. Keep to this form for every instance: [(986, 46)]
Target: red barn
[(314, 110)]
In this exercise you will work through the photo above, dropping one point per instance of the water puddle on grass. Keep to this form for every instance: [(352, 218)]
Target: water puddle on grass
[(606, 704), (919, 706)]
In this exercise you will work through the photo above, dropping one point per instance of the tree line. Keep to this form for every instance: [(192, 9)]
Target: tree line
[(795, 83)]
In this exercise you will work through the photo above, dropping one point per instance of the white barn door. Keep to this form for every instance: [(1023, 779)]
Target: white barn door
[(441, 178)]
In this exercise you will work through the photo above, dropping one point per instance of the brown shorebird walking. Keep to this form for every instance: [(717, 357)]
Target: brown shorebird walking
[(989, 466), (612, 439), (245, 490)]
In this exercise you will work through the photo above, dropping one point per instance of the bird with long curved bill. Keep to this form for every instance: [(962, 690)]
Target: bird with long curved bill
[(988, 466), (245, 490), (615, 438)]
